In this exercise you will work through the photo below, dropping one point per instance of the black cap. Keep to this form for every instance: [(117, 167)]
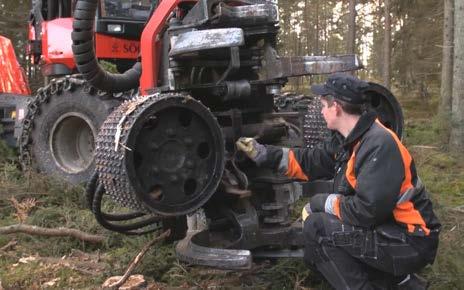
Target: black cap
[(344, 87)]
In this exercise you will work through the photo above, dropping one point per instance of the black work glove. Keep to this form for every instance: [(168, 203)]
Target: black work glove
[(318, 202), (325, 202)]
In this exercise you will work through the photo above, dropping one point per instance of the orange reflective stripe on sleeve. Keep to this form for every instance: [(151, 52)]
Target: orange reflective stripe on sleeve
[(294, 169)]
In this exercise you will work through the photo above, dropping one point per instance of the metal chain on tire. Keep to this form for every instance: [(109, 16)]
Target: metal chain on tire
[(314, 127), (110, 149), (54, 89)]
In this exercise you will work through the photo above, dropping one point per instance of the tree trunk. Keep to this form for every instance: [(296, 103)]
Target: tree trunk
[(352, 28), (457, 105), (316, 33), (307, 49), (447, 61), (387, 46)]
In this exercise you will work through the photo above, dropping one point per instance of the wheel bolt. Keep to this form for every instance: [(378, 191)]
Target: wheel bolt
[(154, 146), (188, 141), (170, 132), (174, 178), (189, 164)]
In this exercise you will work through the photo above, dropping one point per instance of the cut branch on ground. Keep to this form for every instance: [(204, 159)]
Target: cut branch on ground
[(137, 260), (51, 232)]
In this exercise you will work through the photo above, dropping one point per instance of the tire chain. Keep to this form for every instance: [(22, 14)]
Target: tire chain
[(109, 157), (54, 89), (314, 127)]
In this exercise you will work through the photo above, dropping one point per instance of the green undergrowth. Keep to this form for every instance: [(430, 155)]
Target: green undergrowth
[(426, 135), (58, 204)]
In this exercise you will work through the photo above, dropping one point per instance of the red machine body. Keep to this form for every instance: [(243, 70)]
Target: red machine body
[(12, 78), (151, 45), (56, 42), (51, 46), (56, 45)]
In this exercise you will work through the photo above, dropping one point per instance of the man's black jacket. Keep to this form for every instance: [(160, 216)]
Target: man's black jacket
[(373, 172)]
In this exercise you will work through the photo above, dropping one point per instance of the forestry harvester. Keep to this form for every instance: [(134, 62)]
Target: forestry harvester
[(62, 119), (209, 73)]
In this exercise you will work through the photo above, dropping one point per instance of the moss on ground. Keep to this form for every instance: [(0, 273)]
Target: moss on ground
[(60, 205)]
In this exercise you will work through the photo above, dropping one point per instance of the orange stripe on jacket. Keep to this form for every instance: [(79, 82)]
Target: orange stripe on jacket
[(294, 169), (350, 173), (405, 212)]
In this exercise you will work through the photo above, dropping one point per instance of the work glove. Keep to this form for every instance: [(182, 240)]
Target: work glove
[(306, 212), (324, 202), (252, 149)]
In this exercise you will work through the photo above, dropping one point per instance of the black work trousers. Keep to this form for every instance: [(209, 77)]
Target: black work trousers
[(351, 257)]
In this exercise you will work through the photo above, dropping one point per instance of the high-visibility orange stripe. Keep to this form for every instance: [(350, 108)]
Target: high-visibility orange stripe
[(405, 212), (407, 160), (350, 174), (294, 169), (337, 207)]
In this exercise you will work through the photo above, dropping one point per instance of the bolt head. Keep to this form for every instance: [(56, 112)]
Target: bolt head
[(174, 178), (170, 132), (190, 164)]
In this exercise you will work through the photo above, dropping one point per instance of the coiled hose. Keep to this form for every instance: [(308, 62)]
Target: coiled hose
[(84, 53), (141, 223)]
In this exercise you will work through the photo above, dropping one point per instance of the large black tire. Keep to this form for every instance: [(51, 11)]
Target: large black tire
[(64, 131)]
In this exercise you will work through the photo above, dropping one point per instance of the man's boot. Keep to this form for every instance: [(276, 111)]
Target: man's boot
[(412, 282)]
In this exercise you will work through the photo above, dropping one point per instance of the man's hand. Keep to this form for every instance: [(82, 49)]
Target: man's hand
[(248, 146), (306, 212)]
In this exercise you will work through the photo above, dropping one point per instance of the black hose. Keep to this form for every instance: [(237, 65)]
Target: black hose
[(89, 196), (84, 53), (90, 189), (128, 229), (94, 196)]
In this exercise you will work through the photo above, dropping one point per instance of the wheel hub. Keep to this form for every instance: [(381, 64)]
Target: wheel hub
[(72, 142), (171, 156)]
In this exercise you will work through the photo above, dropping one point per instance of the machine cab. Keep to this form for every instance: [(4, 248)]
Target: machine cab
[(119, 24)]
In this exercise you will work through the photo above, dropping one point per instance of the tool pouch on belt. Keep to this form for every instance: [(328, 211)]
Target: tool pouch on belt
[(390, 234), (393, 244), (361, 243)]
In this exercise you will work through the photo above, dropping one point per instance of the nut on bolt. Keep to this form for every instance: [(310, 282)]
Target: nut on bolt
[(170, 132)]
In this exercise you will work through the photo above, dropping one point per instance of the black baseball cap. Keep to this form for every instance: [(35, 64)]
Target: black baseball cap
[(344, 87)]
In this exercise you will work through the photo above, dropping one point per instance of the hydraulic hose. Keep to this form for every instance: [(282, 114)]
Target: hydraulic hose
[(94, 196), (85, 58)]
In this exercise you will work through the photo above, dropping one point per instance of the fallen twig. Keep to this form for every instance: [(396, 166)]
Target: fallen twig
[(424, 147), (137, 259), (9, 245), (85, 267), (54, 232)]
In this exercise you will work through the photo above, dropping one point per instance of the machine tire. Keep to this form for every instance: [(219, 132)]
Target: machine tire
[(64, 131)]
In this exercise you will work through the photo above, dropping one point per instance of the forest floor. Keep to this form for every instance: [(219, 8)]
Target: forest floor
[(34, 262)]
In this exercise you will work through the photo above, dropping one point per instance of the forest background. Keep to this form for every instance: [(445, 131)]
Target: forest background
[(413, 47)]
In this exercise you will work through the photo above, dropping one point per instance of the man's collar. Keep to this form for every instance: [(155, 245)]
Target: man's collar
[(365, 122)]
